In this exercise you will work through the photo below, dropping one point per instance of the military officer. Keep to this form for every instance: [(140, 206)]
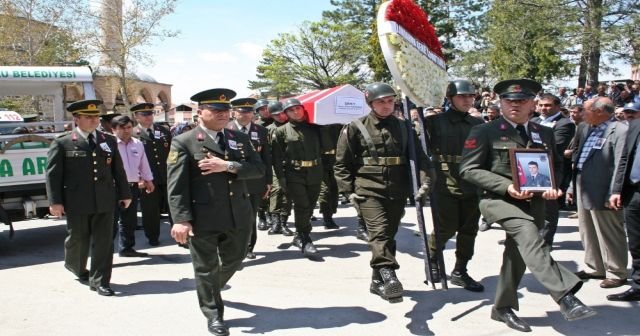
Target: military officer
[(458, 200), (262, 109), (258, 188), (85, 177), (156, 141), (279, 204), (105, 122), (372, 168), (485, 163), (296, 148), (209, 202), (328, 198)]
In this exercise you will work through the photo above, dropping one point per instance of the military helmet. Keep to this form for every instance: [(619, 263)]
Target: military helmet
[(275, 107), (291, 102), (260, 103), (375, 91), (460, 87)]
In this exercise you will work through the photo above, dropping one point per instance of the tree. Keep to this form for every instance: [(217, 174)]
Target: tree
[(319, 56), (39, 32), (524, 42), (119, 34)]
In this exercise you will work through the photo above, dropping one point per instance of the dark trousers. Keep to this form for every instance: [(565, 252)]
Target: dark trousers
[(279, 203), (216, 257), (90, 233), (632, 221), (151, 206), (456, 214), (524, 248), (126, 220), (255, 199), (382, 217), (550, 226), (304, 198), (328, 198)]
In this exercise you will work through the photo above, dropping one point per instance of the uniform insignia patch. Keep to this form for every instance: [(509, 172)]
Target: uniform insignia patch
[(471, 143), (503, 127), (172, 158), (504, 138)]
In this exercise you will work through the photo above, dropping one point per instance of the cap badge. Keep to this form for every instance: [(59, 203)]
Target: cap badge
[(516, 88), (223, 97), (91, 107)]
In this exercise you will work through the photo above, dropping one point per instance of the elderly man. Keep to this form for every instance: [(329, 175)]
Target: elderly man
[(485, 163), (600, 144)]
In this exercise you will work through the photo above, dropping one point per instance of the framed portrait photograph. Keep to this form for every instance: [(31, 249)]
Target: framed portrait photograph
[(532, 169)]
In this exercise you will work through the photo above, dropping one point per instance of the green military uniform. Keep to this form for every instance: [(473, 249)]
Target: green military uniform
[(86, 176), (259, 139), (217, 205), (296, 148), (279, 204), (328, 198), (486, 164), (156, 141), (457, 200), (264, 215)]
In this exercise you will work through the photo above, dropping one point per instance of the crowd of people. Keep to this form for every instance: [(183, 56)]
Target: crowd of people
[(247, 163)]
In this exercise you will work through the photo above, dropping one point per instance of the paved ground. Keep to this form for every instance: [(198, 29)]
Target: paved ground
[(281, 293)]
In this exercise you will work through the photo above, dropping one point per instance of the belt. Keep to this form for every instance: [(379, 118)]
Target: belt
[(331, 152), (305, 164), (384, 161), (449, 158)]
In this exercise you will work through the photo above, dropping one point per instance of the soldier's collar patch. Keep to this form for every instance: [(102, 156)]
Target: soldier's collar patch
[(200, 136), (471, 143), (503, 127), (74, 136)]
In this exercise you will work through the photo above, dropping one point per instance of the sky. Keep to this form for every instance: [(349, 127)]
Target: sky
[(221, 42)]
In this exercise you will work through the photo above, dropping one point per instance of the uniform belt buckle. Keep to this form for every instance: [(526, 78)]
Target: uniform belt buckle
[(393, 161), (306, 164)]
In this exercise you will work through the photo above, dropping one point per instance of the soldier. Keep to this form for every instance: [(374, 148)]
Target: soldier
[(279, 204), (296, 148), (372, 168), (156, 141), (458, 200), (328, 198), (209, 203), (485, 163), (262, 109), (105, 122), (257, 188), (85, 176)]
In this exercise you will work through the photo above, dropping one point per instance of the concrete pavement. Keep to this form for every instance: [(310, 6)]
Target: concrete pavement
[(281, 293)]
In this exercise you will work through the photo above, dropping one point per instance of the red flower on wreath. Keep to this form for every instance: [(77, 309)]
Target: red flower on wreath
[(412, 18)]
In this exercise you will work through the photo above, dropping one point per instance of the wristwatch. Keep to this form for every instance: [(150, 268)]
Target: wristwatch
[(231, 166)]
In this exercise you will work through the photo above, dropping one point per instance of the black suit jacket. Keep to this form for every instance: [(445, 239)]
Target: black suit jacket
[(156, 150), (84, 181), (259, 137), (622, 184)]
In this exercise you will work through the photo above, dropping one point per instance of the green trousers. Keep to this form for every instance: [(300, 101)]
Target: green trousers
[(328, 199), (382, 217), (216, 257), (279, 204), (304, 198), (90, 233)]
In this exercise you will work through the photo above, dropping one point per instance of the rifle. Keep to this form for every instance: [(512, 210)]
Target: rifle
[(415, 178)]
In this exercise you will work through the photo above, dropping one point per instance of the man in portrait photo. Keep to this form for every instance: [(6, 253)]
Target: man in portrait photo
[(535, 178)]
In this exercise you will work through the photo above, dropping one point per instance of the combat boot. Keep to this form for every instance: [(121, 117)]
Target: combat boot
[(392, 288), (362, 233), (377, 285), (276, 226), (285, 229), (308, 249), (435, 271), (297, 240), (329, 224), (462, 279), (262, 221)]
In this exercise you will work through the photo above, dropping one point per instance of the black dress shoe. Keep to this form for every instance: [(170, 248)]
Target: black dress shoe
[(154, 242), (84, 276), (329, 224), (573, 309), (103, 290), (463, 279), (632, 294), (251, 255), (217, 327), (297, 241), (512, 321), (586, 276), (132, 253)]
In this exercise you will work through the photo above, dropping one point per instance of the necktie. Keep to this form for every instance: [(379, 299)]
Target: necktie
[(634, 176), (92, 142), (244, 130), (150, 132), (523, 133), (220, 140)]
